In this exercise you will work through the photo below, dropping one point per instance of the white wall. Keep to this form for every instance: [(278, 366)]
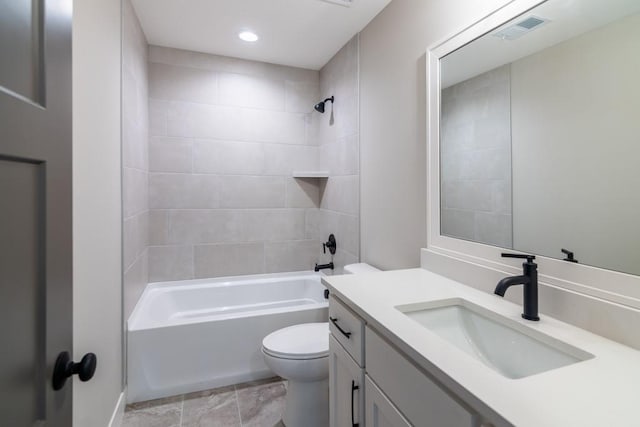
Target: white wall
[(392, 122), (97, 313), (575, 148)]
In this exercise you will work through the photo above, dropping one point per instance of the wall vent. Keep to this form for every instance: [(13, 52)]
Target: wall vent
[(521, 28), (345, 3)]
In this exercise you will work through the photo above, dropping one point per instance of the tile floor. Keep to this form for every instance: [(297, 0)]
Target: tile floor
[(253, 404)]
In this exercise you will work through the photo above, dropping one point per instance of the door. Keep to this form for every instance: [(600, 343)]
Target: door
[(380, 412), (35, 210), (345, 388)]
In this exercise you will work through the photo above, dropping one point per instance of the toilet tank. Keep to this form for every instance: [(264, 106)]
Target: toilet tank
[(359, 268)]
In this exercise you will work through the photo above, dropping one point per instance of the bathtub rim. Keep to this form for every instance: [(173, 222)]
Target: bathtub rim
[(155, 287)]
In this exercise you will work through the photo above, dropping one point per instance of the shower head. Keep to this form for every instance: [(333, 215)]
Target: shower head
[(319, 107)]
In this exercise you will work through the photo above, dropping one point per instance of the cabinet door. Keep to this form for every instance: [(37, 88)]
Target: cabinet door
[(346, 394), (379, 411), (423, 401)]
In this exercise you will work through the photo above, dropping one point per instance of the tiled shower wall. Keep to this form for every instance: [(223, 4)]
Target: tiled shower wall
[(476, 159), (134, 158), (337, 133), (225, 136)]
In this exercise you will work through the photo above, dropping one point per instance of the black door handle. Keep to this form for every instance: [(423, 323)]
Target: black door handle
[(335, 322), (65, 367), (354, 387)]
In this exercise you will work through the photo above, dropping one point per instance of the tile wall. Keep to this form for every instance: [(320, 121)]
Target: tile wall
[(337, 136), (209, 192), (476, 159), (225, 136), (135, 165)]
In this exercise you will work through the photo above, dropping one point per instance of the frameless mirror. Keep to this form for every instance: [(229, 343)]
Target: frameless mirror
[(540, 134)]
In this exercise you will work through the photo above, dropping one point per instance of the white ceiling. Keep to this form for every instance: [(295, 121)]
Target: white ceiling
[(299, 33), (569, 18)]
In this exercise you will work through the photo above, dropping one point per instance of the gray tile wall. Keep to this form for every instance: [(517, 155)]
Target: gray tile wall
[(336, 133), (224, 137), (476, 159), (134, 158)]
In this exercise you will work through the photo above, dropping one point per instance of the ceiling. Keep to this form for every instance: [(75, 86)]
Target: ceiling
[(568, 18), (299, 33)]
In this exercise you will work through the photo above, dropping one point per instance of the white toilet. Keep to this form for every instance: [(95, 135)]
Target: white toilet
[(300, 354)]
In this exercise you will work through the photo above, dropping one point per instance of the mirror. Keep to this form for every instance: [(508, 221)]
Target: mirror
[(540, 134)]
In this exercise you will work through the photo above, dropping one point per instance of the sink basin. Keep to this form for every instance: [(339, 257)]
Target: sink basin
[(506, 346)]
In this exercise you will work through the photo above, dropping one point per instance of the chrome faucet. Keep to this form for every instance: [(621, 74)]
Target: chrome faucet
[(529, 280)]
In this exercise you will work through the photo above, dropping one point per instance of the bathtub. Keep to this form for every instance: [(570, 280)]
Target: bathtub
[(200, 334)]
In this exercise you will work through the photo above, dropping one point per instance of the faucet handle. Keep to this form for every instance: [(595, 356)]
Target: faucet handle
[(330, 244), (529, 258), (569, 255)]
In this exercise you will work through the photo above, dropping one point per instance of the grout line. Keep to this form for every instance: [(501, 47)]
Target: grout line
[(193, 157), (287, 174), (135, 214), (140, 255), (215, 66), (193, 261), (167, 232), (253, 209), (213, 140), (134, 168), (218, 103), (235, 388)]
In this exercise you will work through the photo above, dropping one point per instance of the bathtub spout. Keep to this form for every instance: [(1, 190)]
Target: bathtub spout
[(323, 266)]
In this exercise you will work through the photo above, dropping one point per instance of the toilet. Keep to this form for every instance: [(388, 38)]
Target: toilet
[(300, 354)]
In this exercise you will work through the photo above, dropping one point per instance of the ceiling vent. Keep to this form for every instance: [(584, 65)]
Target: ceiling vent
[(345, 3), (521, 28)]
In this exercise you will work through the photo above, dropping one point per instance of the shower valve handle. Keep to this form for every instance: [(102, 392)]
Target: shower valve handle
[(331, 244)]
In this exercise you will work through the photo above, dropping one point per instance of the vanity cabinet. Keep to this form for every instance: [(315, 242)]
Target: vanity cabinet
[(374, 385), (346, 366)]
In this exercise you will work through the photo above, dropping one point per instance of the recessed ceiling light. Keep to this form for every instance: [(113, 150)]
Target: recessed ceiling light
[(248, 36)]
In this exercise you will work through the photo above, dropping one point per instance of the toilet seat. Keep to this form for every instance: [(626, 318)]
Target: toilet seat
[(298, 342)]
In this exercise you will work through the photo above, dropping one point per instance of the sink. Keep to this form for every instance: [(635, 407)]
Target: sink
[(506, 346)]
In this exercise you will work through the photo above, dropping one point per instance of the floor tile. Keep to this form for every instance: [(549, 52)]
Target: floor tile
[(154, 413), (211, 408), (261, 404)]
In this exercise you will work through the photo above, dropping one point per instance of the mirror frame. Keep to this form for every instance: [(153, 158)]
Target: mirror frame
[(612, 286)]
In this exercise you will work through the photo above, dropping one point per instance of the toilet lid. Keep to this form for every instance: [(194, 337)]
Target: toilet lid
[(305, 341)]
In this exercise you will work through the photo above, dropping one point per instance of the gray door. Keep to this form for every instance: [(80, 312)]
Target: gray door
[(35, 209)]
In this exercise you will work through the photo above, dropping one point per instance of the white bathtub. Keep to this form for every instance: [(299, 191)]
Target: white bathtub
[(199, 334)]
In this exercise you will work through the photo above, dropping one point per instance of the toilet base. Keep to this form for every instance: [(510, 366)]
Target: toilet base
[(307, 404)]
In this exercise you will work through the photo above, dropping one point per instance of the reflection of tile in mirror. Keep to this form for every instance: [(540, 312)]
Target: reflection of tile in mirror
[(476, 159)]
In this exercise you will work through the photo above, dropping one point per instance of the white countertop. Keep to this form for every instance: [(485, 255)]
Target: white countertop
[(603, 391)]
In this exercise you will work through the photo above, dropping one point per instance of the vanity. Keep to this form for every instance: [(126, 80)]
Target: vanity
[(388, 369), (532, 147)]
